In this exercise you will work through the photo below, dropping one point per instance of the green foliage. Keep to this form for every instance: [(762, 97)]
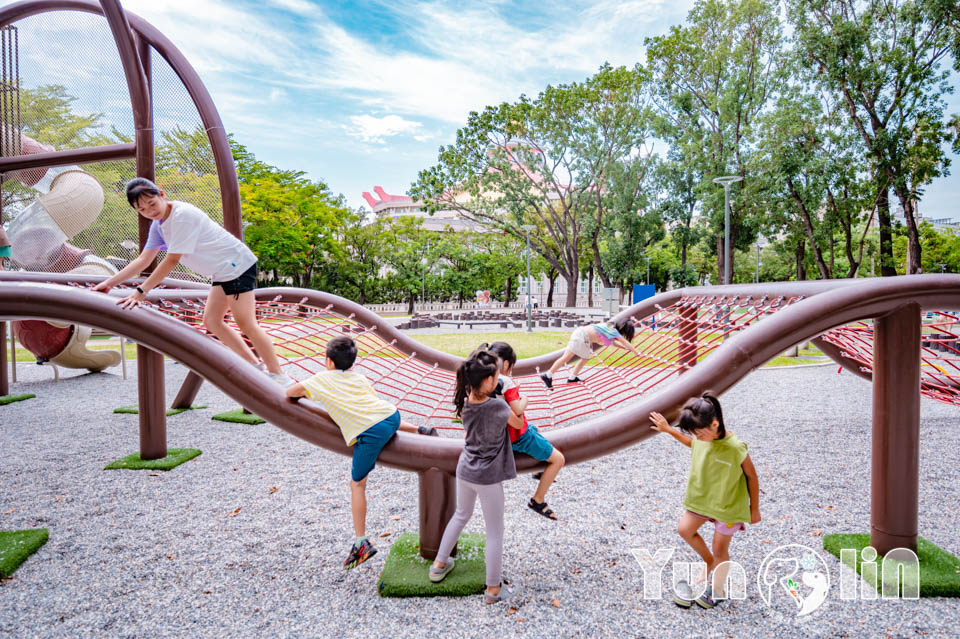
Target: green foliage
[(884, 62), (550, 162), (292, 221)]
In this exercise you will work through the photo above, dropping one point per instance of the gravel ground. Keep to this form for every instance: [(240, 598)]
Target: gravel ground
[(248, 539)]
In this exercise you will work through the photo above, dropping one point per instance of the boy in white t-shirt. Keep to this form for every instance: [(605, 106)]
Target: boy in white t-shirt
[(190, 236)]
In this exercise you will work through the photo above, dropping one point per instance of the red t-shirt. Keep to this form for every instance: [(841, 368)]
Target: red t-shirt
[(512, 393)]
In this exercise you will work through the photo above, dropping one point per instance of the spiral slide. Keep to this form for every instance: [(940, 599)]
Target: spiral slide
[(70, 200)]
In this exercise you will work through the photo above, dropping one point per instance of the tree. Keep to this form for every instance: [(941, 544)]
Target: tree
[(815, 186), (712, 79), (543, 161), (883, 61), (292, 220)]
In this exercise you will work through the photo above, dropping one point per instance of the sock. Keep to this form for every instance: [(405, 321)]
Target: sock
[(548, 374)]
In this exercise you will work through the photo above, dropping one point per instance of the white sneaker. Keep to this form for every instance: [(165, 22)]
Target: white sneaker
[(281, 379)]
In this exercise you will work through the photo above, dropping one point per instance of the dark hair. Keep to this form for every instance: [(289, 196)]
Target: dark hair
[(504, 351), (699, 412), (625, 328), (478, 366), (138, 187), (343, 351)]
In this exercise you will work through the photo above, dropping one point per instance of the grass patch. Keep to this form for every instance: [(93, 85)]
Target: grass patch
[(780, 360), (525, 344), (239, 417), (405, 571), (175, 457), (135, 410), (17, 545), (15, 397), (939, 570)]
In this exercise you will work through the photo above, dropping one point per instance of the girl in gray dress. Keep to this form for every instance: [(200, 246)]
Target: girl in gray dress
[(486, 461)]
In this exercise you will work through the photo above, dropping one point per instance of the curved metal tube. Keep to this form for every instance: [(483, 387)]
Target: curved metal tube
[(223, 157), (599, 436)]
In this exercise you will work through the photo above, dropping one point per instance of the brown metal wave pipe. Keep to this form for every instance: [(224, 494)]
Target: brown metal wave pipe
[(598, 436)]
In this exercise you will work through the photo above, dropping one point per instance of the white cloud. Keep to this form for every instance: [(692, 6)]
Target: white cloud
[(375, 130)]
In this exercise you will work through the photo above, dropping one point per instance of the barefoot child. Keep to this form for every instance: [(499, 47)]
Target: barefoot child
[(190, 236), (366, 422), (722, 489), (581, 345), (485, 463), (527, 439)]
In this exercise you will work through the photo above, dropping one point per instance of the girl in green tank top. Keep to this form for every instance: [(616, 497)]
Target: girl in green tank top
[(722, 488)]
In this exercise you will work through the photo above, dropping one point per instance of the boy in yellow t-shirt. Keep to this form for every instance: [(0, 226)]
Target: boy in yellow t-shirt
[(366, 421)]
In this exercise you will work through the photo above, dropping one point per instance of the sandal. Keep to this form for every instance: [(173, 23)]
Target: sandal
[(542, 509), (439, 574), (507, 589)]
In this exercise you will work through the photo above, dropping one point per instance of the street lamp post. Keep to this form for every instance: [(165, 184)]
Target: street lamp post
[(527, 228), (758, 261), (725, 181), (423, 286)]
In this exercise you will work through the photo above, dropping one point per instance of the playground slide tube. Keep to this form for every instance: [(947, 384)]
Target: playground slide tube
[(598, 436)]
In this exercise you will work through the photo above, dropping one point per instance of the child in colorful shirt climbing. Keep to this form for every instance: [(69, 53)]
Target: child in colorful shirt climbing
[(722, 489), (366, 422), (581, 345), (527, 439)]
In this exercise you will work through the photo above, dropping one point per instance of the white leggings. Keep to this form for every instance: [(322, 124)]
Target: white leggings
[(491, 502)]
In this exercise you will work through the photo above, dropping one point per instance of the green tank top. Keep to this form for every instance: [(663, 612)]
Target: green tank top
[(717, 487)]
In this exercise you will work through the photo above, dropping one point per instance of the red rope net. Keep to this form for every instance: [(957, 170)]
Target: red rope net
[(669, 342)]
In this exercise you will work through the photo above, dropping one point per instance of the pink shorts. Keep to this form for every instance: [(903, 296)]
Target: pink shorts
[(721, 527)]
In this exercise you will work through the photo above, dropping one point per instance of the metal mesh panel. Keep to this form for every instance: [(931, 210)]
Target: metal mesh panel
[(73, 94)]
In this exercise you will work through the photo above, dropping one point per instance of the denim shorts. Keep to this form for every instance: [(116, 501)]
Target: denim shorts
[(246, 281), (534, 444), (369, 444), (723, 528)]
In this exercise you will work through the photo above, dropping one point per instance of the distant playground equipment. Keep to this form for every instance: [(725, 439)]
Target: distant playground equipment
[(738, 328), (70, 200)]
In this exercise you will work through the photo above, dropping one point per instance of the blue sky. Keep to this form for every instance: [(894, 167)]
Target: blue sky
[(364, 93)]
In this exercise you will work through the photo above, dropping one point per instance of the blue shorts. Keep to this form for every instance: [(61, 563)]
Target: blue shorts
[(369, 444), (534, 444)]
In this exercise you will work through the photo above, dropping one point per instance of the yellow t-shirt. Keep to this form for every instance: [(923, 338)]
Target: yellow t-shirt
[(350, 399)]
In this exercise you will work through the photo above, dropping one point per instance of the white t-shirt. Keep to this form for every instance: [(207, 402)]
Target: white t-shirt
[(206, 247)]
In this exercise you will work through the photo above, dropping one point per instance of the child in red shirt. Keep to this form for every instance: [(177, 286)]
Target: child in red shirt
[(527, 439)]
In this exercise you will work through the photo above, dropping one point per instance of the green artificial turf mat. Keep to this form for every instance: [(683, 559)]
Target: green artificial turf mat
[(175, 457), (135, 410), (17, 545), (405, 571), (16, 397), (939, 570), (239, 417)]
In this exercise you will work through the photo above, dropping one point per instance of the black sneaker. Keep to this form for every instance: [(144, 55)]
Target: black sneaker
[(547, 380), (707, 599), (359, 554), (428, 430), (574, 380)]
